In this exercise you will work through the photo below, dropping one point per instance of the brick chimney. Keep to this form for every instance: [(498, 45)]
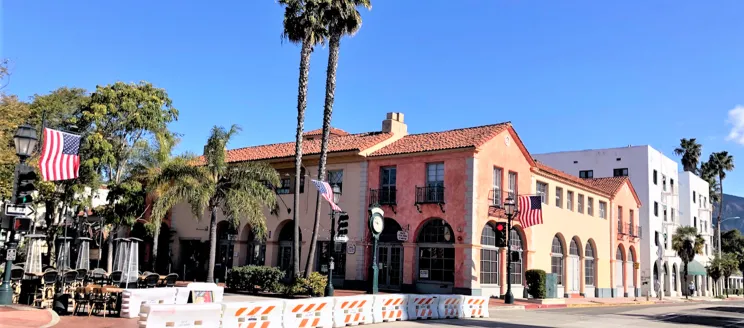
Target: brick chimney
[(394, 124)]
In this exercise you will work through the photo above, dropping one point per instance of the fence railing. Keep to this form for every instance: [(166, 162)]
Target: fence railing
[(383, 196), (430, 195)]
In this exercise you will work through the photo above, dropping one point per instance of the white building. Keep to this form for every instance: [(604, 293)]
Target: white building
[(655, 179), (695, 210)]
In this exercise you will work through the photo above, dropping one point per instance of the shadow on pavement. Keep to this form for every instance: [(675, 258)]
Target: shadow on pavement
[(689, 319), (731, 309), (476, 323)]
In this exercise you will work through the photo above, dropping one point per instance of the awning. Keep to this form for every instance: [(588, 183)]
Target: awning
[(694, 268)]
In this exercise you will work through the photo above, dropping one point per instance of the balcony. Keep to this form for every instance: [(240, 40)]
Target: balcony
[(384, 196), (433, 194), (620, 229), (634, 231)]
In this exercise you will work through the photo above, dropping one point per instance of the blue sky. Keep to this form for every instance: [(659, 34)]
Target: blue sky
[(568, 74)]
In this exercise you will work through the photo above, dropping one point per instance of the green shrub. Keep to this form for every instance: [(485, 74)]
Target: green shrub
[(314, 285), (254, 279), (536, 283)]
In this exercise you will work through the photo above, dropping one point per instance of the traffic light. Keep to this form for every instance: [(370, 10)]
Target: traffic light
[(500, 234), (22, 224), (343, 225), (26, 179)]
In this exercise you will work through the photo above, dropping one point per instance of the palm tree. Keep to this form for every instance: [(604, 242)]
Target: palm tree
[(687, 242), (714, 270), (690, 151), (239, 190), (709, 174), (302, 24), (342, 18), (722, 162)]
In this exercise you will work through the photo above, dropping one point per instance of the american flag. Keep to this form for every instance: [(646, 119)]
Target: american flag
[(530, 211), (325, 189), (59, 155)]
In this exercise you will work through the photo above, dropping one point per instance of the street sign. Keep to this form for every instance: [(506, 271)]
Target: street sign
[(17, 210), (10, 254), (342, 239), (402, 235)]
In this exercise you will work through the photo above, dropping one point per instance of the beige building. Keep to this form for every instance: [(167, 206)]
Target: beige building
[(346, 167)]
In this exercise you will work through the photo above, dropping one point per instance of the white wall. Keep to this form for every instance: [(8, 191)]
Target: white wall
[(696, 212)]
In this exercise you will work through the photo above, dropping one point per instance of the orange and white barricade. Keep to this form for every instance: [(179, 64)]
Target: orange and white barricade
[(423, 307), (132, 299), (352, 311), (267, 314), (474, 307), (180, 315), (309, 313), (390, 307), (449, 306)]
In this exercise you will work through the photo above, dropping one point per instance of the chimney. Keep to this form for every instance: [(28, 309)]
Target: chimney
[(394, 124)]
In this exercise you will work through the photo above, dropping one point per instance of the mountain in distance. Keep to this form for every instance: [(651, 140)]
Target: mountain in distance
[(732, 206)]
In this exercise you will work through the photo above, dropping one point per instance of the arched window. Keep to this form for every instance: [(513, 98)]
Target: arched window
[(674, 277), (286, 238), (589, 264), (436, 252), (619, 274), (517, 246), (556, 260), (573, 249), (489, 256)]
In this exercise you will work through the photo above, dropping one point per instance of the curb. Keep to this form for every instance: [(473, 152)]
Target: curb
[(590, 305), (54, 321), (507, 308)]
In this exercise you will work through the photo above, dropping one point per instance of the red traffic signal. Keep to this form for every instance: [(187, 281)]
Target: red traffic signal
[(22, 224), (500, 234)]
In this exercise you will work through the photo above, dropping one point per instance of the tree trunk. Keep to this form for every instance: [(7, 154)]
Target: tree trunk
[(154, 258), (333, 48), (305, 52), (212, 244), (110, 256), (720, 210), (687, 283)]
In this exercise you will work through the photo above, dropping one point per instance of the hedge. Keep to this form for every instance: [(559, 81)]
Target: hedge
[(536, 283)]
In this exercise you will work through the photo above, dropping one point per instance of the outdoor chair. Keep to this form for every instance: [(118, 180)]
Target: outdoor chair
[(16, 275), (98, 276), (44, 296), (48, 268), (170, 280), (82, 275), (150, 281), (82, 298), (69, 282), (115, 278)]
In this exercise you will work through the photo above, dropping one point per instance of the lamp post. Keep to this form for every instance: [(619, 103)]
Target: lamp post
[(25, 143), (511, 211), (332, 243), (718, 232)]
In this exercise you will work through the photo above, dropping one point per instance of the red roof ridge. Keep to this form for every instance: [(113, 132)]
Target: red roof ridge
[(360, 134), (452, 139), (461, 129), (614, 184), (332, 130)]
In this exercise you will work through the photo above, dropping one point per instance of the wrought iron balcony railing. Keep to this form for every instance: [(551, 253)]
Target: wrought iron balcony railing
[(383, 196)]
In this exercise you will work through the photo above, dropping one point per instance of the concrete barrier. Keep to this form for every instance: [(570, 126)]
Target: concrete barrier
[(352, 310), (267, 314), (312, 312), (132, 299), (390, 307), (205, 315)]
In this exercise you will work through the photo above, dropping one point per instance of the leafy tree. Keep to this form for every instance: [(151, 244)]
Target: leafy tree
[(303, 24), (13, 113), (240, 190), (690, 151), (732, 242), (715, 270), (121, 115), (687, 242), (729, 266), (721, 163), (341, 18)]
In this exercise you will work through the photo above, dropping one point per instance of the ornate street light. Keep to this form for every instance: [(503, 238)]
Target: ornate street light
[(25, 141), (511, 210)]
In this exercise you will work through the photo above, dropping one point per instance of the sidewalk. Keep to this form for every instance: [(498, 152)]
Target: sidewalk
[(19, 316)]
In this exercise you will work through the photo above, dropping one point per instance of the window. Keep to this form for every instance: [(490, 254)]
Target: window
[(569, 200), (631, 218), (706, 249), (671, 185), (700, 199), (620, 219), (512, 191), (694, 222), (580, 203), (589, 264), (542, 190), (556, 260), (285, 184), (602, 210), (705, 202), (515, 240), (672, 216), (437, 260), (336, 178), (656, 209), (674, 277), (498, 197), (388, 179), (663, 182), (256, 254), (656, 238), (664, 211), (620, 172), (489, 256), (435, 175), (655, 177), (586, 174), (559, 197), (619, 274), (693, 196), (590, 206)]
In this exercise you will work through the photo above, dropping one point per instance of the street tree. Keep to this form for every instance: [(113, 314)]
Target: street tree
[(714, 270), (303, 25), (687, 242), (208, 182), (13, 113), (721, 163), (729, 266), (709, 173), (690, 150), (341, 19)]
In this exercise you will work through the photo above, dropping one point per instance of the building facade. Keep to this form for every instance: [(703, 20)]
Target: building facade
[(656, 181), (696, 211)]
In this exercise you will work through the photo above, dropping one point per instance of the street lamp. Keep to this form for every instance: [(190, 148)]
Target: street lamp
[(25, 142), (718, 232), (332, 247), (511, 210)]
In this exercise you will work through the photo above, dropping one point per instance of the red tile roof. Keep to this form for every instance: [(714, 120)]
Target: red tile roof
[(349, 142), (318, 132), (444, 140), (565, 177), (613, 184)]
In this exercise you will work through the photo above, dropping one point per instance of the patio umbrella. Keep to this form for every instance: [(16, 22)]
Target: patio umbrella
[(131, 273), (63, 254), (122, 249), (83, 258), (33, 253)]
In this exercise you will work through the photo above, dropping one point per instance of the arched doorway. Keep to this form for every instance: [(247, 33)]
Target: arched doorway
[(436, 258), (619, 273), (574, 269), (255, 250), (667, 282), (226, 235), (674, 277), (286, 241), (390, 257)]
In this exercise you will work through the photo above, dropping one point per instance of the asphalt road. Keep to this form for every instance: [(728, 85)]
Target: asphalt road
[(709, 314)]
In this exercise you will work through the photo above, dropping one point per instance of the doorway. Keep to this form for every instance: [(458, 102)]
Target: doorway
[(574, 267), (226, 235), (390, 265)]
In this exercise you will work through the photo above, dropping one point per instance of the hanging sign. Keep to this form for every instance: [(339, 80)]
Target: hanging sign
[(402, 235)]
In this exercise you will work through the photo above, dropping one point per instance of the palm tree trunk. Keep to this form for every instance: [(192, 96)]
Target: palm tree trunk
[(333, 48), (212, 244), (687, 295), (154, 258), (305, 52), (110, 254), (720, 210)]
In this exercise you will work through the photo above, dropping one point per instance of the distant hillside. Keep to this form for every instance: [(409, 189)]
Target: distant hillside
[(732, 206)]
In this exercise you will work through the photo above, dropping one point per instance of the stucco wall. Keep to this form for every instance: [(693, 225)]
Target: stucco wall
[(630, 280)]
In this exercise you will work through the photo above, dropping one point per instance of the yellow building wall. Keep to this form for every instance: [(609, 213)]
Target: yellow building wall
[(568, 225)]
